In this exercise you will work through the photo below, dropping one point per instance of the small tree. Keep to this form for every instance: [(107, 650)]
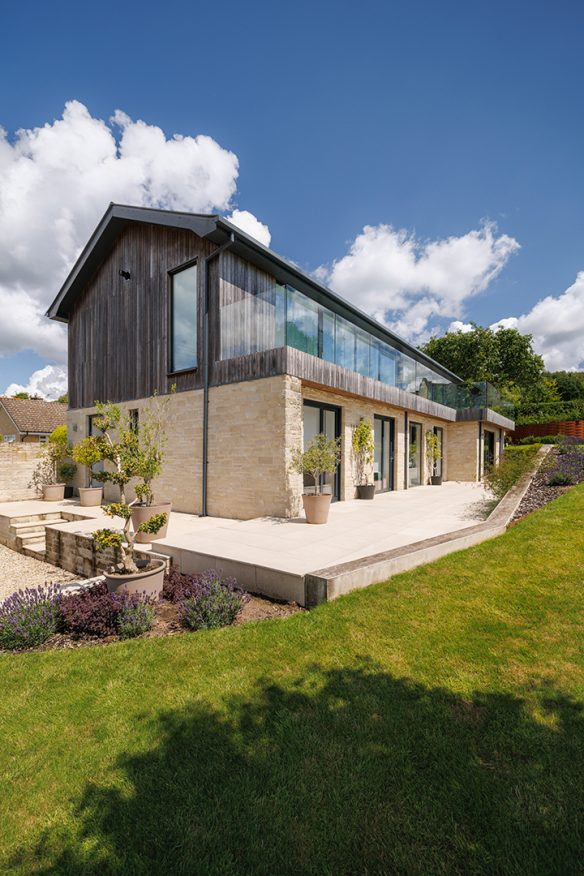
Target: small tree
[(117, 444), (54, 453), (433, 452), (151, 445), (320, 457), (88, 453), (363, 445)]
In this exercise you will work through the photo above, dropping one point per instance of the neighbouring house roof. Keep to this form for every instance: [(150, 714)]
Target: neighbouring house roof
[(218, 230), (34, 416)]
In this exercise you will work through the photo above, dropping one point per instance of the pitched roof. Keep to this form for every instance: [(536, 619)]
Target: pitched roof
[(35, 414)]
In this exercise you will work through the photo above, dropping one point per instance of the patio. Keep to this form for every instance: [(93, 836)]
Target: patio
[(275, 556)]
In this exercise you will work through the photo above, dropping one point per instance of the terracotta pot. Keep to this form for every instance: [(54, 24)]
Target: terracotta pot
[(436, 480), (141, 582), (53, 492), (366, 491), (89, 497), (316, 508), (142, 513)]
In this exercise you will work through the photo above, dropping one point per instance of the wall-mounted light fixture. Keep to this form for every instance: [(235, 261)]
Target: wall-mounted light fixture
[(125, 274)]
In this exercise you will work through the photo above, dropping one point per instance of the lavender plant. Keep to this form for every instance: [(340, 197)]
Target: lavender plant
[(210, 601), (29, 617)]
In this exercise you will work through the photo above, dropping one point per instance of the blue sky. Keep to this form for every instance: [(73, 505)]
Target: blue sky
[(428, 117)]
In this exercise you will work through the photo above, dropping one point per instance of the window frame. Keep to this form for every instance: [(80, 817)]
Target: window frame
[(170, 371)]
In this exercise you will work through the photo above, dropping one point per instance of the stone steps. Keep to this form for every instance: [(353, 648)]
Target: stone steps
[(28, 533)]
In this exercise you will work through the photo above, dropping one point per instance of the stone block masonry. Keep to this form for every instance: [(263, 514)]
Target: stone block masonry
[(17, 464)]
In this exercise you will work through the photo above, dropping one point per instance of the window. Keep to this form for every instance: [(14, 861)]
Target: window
[(133, 418), (183, 310)]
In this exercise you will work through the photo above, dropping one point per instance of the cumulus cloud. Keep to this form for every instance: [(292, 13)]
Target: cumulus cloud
[(251, 225), (56, 182), (49, 382), (557, 326), (406, 282)]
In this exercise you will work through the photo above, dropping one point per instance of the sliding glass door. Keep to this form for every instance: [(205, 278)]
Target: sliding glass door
[(384, 434), (415, 457), (326, 419)]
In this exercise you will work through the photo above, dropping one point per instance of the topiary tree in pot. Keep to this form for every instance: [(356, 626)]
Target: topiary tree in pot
[(433, 457), (88, 453), (363, 446), (129, 574), (45, 478), (320, 457)]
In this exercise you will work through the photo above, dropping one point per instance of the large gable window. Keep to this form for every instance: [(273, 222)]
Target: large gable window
[(183, 316)]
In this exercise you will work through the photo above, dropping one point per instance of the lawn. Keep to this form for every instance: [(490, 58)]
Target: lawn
[(430, 724)]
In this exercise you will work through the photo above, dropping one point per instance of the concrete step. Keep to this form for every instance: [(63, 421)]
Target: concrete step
[(30, 538), (26, 528), (36, 550), (48, 517)]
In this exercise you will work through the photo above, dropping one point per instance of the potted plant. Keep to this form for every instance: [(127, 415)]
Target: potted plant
[(363, 446), (45, 478), (67, 471), (150, 452), (433, 457), (129, 575), (87, 453), (320, 457)]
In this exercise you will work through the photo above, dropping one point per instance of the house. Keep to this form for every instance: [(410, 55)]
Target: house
[(30, 419), (262, 357)]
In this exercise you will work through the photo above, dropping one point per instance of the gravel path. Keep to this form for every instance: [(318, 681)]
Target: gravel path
[(18, 571)]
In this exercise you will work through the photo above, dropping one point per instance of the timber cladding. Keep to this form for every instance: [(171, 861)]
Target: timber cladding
[(118, 329)]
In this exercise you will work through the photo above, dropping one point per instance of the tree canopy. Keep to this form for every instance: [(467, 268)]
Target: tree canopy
[(504, 357)]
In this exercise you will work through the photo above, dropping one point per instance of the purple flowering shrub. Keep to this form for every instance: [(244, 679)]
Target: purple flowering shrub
[(97, 612), (30, 617), (569, 468), (204, 601), (210, 602), (135, 616)]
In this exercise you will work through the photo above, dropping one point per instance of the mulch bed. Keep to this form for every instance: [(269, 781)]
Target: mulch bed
[(166, 623), (539, 492)]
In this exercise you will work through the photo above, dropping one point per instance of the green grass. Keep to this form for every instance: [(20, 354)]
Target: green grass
[(431, 724)]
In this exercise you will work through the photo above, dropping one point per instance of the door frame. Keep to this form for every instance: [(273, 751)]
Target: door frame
[(411, 424), (388, 447), (439, 432), (322, 407)]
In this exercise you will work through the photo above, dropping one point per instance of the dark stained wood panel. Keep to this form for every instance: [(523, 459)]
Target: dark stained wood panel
[(118, 330)]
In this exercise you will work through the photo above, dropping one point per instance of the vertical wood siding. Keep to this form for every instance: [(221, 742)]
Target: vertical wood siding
[(118, 330)]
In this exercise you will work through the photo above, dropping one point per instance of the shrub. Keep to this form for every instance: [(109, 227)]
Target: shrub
[(95, 611), (560, 479), (29, 617), (540, 439), (135, 616), (211, 601), (515, 462), (569, 468), (90, 612)]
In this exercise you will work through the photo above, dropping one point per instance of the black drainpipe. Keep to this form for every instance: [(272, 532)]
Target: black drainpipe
[(208, 259), (406, 448)]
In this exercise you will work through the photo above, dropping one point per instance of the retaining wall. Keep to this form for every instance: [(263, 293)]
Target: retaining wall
[(17, 464)]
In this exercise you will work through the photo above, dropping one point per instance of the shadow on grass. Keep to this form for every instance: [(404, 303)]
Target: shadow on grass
[(348, 771)]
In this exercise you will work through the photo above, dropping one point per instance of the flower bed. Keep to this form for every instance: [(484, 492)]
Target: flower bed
[(47, 617), (562, 469)]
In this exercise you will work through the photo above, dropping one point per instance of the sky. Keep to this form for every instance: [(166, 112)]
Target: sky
[(424, 159)]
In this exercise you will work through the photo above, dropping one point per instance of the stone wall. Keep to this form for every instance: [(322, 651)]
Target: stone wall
[(17, 464), (75, 552), (181, 479)]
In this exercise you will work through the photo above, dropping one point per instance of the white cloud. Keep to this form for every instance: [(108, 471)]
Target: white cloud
[(56, 182), (49, 382), (252, 226), (406, 282), (557, 326)]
